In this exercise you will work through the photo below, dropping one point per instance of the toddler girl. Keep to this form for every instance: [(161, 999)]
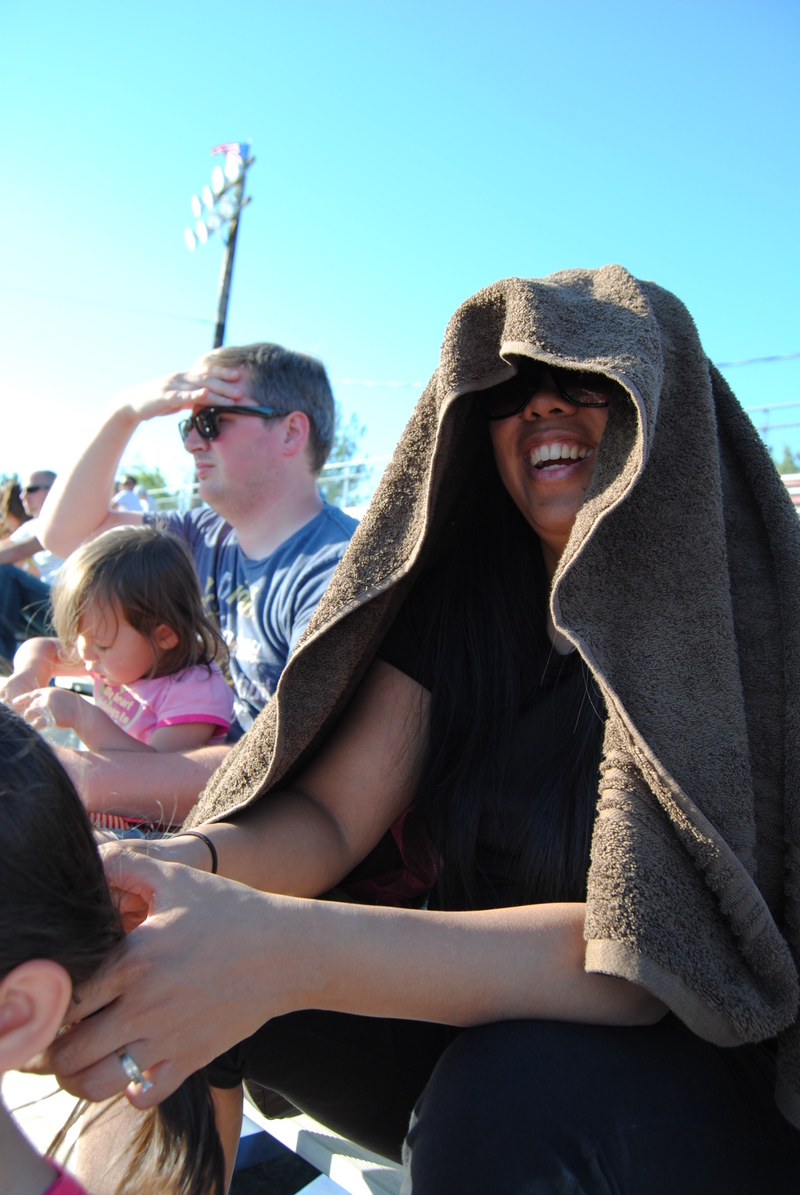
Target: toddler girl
[(58, 925), (127, 609)]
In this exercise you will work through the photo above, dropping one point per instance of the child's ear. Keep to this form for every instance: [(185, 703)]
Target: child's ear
[(165, 638), (33, 1002)]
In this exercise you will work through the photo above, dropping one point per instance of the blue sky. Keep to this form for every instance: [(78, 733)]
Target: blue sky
[(406, 156)]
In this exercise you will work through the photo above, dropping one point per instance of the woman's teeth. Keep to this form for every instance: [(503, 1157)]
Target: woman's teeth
[(543, 453)]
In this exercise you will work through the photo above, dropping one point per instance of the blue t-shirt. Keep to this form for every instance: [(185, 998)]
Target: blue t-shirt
[(262, 606)]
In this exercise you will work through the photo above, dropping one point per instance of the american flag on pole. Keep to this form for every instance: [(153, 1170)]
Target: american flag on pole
[(235, 148)]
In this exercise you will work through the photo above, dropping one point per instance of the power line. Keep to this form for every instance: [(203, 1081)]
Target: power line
[(778, 406), (368, 382), (776, 427), (756, 360)]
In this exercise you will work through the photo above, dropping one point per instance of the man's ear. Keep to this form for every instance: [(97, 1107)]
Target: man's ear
[(164, 637), (296, 427), (33, 1002)]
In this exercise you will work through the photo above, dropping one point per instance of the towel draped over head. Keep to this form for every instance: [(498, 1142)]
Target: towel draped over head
[(679, 586)]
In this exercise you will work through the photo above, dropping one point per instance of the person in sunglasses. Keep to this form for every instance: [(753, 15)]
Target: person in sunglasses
[(258, 422), (24, 598), (566, 644)]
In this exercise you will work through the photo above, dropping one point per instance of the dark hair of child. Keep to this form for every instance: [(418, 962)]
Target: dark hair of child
[(55, 904), (146, 575)]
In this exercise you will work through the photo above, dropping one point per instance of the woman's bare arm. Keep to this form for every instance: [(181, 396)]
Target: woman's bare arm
[(305, 839), (272, 954)]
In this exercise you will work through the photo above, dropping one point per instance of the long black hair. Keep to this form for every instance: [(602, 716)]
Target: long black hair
[(55, 904), (485, 649)]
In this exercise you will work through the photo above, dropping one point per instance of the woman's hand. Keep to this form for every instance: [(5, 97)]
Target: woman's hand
[(211, 962), (186, 849)]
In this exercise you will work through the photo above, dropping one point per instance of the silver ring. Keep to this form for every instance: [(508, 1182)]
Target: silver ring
[(132, 1072)]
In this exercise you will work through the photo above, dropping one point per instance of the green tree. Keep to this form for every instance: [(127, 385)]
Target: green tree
[(151, 479), (345, 448), (789, 464)]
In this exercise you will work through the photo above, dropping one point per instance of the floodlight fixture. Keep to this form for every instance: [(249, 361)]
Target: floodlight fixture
[(233, 167), (219, 211)]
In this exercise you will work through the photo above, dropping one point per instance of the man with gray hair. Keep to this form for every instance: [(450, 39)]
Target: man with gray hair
[(260, 427)]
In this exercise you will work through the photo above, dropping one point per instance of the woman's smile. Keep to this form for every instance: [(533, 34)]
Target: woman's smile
[(554, 458), (545, 455)]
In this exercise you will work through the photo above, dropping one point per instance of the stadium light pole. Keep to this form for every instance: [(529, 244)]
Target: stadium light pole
[(219, 210)]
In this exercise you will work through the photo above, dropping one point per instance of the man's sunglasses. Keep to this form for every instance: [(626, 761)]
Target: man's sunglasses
[(576, 387), (33, 489), (206, 420)]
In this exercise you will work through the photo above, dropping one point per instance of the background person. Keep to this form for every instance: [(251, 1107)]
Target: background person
[(12, 515), (261, 427), (24, 599), (569, 644), (126, 497), (147, 503)]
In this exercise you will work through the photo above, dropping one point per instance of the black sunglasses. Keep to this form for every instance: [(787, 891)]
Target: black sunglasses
[(578, 388), (33, 489), (206, 420)]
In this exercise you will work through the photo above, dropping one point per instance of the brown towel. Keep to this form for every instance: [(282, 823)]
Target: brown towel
[(680, 586)]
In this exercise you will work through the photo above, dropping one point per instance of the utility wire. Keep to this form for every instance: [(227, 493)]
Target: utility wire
[(778, 406), (393, 385), (775, 427), (755, 360)]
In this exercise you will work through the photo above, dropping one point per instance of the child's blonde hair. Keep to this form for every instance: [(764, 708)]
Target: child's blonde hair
[(147, 576)]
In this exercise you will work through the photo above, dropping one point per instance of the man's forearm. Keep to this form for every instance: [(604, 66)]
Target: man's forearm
[(162, 787), (77, 505), (13, 551)]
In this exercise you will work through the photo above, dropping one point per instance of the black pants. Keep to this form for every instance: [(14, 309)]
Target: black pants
[(534, 1107)]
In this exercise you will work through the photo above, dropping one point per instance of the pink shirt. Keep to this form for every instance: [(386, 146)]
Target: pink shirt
[(65, 1184), (194, 695)]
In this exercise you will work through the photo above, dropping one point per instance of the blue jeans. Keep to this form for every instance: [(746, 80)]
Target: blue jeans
[(24, 608)]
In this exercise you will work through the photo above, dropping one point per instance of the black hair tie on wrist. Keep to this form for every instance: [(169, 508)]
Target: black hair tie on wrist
[(204, 838)]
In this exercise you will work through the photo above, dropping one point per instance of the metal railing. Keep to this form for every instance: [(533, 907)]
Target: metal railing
[(347, 484)]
